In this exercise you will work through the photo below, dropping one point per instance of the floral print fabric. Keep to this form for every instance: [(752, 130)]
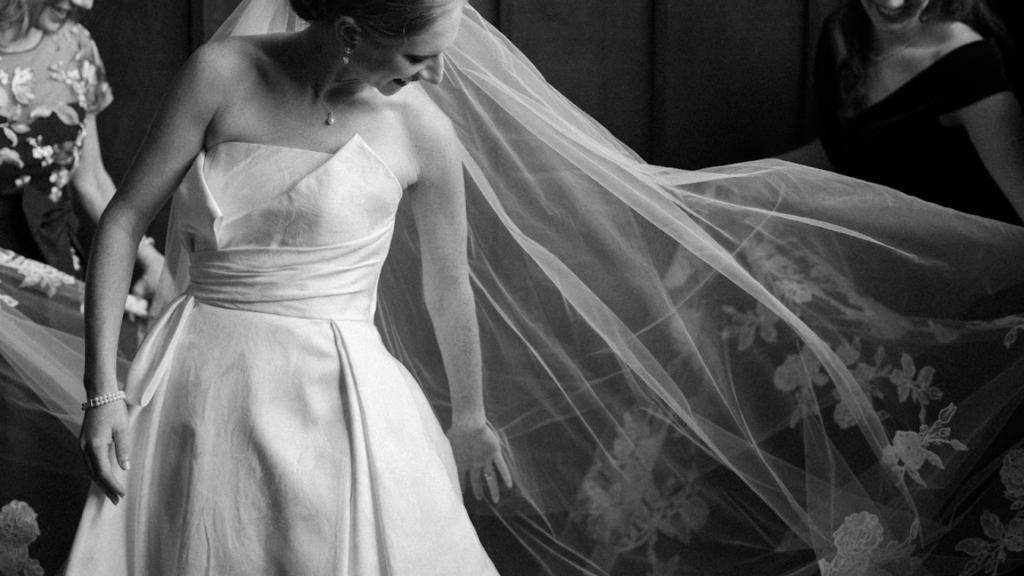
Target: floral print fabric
[(45, 95)]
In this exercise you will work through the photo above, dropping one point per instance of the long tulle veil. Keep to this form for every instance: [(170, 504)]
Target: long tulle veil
[(753, 369)]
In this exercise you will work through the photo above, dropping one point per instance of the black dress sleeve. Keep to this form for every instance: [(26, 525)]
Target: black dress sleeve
[(979, 72)]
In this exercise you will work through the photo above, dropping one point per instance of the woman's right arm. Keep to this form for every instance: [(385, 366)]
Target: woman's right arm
[(174, 139), (995, 126)]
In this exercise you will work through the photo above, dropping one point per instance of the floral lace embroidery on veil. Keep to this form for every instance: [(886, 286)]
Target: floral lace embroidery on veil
[(18, 530), (1000, 539)]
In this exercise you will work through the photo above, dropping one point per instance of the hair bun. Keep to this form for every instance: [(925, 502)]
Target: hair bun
[(310, 10), (393, 19)]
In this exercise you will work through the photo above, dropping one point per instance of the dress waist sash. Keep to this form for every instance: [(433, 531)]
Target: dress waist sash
[(334, 283), (337, 283)]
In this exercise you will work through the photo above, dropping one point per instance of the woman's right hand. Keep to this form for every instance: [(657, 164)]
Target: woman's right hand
[(478, 455), (104, 443)]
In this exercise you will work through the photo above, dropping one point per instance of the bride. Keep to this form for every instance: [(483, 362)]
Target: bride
[(265, 411), (753, 369)]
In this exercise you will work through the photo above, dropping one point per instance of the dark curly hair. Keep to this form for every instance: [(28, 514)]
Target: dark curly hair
[(855, 30), (384, 19)]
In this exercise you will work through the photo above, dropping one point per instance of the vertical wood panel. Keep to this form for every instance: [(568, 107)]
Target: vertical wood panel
[(729, 79), (596, 52), (685, 83), (212, 14), (817, 12), (489, 9), (142, 44)]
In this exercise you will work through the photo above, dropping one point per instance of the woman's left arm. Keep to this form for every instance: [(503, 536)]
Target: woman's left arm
[(439, 208), (995, 126), (95, 188)]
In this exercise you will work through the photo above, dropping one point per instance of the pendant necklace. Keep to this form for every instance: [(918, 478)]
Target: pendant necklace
[(329, 121), (318, 90)]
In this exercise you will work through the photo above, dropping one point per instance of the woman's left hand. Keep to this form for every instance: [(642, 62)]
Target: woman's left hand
[(478, 454)]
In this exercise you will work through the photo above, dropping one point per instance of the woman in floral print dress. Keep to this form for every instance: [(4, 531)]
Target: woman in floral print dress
[(52, 85), (51, 88)]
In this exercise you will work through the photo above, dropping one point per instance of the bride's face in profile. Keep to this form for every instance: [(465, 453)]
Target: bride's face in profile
[(390, 66), (894, 15)]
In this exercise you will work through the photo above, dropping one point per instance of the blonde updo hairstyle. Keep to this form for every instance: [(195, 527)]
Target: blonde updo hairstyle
[(386, 20)]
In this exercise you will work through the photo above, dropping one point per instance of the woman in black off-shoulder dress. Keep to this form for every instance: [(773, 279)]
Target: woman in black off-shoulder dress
[(915, 95)]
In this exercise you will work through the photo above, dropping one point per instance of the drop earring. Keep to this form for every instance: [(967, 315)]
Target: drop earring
[(346, 52)]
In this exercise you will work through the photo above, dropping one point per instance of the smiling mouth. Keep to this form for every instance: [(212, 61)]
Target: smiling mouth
[(893, 14)]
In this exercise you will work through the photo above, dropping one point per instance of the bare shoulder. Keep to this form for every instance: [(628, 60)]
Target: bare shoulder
[(960, 34), (220, 66), (233, 77), (952, 35), (204, 85), (427, 122), (431, 134)]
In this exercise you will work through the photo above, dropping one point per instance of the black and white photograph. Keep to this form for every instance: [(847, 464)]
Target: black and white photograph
[(511, 287)]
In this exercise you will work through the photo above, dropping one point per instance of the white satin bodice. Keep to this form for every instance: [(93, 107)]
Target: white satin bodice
[(286, 230)]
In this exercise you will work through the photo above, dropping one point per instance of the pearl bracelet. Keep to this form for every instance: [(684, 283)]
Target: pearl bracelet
[(101, 400)]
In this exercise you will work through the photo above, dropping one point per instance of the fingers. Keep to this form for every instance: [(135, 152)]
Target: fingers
[(486, 478), (487, 473), (122, 449), (476, 483), (503, 470), (480, 461), (102, 461), (106, 448)]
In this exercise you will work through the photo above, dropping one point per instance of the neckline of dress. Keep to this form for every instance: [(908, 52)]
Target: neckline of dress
[(285, 147), (35, 45), (331, 155), (928, 70)]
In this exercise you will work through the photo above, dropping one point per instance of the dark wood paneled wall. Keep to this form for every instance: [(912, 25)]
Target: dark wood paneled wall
[(599, 53), (731, 79), (142, 44), (686, 83)]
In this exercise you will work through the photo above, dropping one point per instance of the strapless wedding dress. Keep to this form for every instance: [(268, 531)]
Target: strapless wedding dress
[(272, 432)]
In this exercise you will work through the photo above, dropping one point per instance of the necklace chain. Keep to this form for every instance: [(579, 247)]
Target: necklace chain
[(890, 53), (318, 90), (329, 121)]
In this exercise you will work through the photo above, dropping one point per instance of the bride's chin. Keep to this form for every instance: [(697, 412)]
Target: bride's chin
[(392, 87)]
